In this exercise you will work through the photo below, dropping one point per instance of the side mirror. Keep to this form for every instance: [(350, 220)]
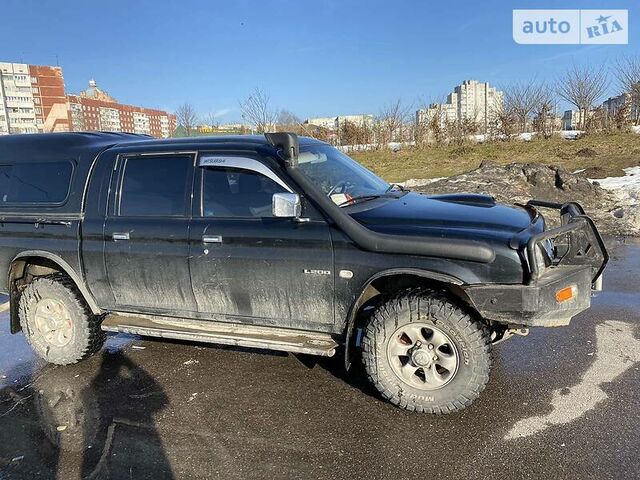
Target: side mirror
[(286, 205)]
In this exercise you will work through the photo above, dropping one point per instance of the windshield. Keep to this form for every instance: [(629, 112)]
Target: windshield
[(338, 176)]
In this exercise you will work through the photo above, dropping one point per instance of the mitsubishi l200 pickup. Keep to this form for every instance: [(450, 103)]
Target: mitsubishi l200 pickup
[(284, 243)]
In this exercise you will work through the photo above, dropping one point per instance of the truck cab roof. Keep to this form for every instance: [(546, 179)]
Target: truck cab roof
[(17, 147), (81, 149)]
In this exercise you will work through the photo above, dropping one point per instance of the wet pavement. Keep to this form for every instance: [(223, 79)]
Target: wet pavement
[(561, 403)]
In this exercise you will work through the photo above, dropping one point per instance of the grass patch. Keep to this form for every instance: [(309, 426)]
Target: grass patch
[(602, 154)]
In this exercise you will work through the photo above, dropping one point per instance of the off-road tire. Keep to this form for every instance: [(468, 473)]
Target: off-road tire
[(86, 337), (470, 336)]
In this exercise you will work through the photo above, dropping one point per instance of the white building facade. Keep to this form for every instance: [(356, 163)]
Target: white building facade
[(17, 105), (335, 123), (472, 101), (141, 123)]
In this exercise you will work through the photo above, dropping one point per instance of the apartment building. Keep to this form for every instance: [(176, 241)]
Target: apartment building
[(445, 112), (613, 105), (95, 109), (224, 128), (32, 99), (323, 122), (335, 123), (472, 100)]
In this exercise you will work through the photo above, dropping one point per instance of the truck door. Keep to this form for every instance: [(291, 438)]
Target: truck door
[(249, 266), (146, 234)]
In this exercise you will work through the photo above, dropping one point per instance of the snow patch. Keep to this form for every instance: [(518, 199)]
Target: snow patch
[(526, 136), (629, 183), (571, 134), (419, 182), (626, 191)]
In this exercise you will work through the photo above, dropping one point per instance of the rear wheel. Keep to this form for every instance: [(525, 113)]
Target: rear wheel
[(57, 321), (422, 352)]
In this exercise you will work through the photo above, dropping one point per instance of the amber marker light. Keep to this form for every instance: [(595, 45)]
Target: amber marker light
[(566, 294)]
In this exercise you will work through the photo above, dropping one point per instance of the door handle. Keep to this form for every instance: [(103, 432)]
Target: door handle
[(212, 239), (120, 236)]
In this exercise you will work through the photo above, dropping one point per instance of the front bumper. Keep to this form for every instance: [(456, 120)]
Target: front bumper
[(576, 262), (534, 305)]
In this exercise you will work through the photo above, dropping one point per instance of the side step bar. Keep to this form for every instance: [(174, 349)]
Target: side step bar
[(286, 340)]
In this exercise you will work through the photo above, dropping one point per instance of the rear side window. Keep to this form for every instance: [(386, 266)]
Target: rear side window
[(41, 182), (155, 186)]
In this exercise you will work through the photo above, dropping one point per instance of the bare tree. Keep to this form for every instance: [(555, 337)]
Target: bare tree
[(521, 100), (620, 118), (544, 119), (460, 130), (257, 110), (502, 123), (354, 132), (187, 118), (321, 133), (436, 123), (429, 123), (211, 120), (286, 119), (582, 87), (348, 133), (421, 128), (627, 71), (391, 122)]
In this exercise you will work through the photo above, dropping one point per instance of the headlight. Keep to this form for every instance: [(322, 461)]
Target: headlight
[(549, 250), (543, 253)]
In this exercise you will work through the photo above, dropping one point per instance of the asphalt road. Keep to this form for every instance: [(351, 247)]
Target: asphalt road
[(561, 403)]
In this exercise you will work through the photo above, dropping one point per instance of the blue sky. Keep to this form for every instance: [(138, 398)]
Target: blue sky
[(314, 58)]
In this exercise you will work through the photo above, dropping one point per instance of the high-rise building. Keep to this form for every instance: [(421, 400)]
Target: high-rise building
[(33, 100), (472, 100)]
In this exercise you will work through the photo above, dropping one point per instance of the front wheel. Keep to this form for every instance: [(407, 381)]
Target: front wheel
[(423, 352)]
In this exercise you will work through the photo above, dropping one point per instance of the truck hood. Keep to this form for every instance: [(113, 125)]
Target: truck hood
[(452, 215)]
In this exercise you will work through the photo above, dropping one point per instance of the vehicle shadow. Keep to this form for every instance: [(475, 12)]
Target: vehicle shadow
[(356, 376), (93, 420)]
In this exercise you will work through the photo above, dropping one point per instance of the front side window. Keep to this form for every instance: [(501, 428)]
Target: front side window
[(235, 192), (155, 186), (39, 183)]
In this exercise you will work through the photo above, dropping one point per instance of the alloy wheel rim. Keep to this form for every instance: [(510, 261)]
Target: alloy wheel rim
[(423, 356), (53, 322)]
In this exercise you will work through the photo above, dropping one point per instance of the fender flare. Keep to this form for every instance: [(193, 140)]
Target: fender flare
[(355, 306), (66, 268)]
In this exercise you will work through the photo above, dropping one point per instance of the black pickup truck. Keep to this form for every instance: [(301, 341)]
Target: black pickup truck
[(280, 243)]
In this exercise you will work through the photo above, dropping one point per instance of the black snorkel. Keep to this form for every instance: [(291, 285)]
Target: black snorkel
[(288, 147)]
